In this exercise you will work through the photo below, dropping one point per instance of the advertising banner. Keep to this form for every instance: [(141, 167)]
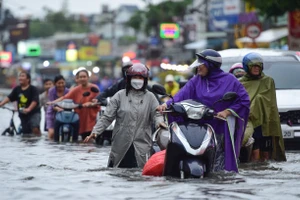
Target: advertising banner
[(294, 30), (222, 14), (88, 53), (104, 48)]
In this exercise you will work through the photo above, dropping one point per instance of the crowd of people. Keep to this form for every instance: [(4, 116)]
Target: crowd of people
[(137, 110)]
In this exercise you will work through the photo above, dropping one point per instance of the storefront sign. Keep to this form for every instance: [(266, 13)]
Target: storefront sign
[(169, 31), (294, 30), (5, 58), (88, 53)]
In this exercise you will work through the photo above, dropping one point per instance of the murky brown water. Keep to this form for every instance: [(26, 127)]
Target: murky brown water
[(35, 168)]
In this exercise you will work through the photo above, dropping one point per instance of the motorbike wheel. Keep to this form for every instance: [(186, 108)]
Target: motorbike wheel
[(182, 174), (4, 132), (11, 132)]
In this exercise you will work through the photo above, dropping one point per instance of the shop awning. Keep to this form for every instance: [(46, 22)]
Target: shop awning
[(267, 36), (200, 44)]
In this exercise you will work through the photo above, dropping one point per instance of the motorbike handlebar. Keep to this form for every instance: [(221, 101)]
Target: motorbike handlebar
[(221, 118), (10, 109)]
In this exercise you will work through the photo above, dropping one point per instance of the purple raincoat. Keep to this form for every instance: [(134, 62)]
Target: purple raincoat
[(211, 88), (50, 114)]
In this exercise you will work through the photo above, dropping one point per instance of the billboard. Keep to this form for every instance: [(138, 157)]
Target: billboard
[(294, 30), (222, 14), (169, 31), (19, 32), (5, 58), (104, 48), (88, 53)]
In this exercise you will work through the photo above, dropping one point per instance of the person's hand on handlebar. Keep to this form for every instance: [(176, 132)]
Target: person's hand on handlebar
[(224, 114), (90, 137), (26, 110), (49, 103), (162, 125), (88, 104), (95, 100), (162, 107)]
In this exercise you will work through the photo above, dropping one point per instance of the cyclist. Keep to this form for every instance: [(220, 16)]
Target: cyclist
[(27, 98)]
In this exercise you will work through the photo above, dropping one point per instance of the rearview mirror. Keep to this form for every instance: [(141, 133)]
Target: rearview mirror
[(159, 89), (86, 94), (94, 89), (229, 96)]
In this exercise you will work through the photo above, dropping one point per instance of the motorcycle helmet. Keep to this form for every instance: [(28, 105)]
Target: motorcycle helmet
[(252, 59), (235, 66), (125, 66), (209, 57), (137, 69)]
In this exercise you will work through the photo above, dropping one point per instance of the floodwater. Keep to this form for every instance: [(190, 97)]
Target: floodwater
[(35, 168)]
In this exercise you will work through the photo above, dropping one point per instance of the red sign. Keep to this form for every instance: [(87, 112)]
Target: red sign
[(253, 30), (294, 23), (5, 58), (294, 30), (130, 54)]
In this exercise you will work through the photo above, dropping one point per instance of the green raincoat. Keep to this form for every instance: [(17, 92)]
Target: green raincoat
[(264, 111)]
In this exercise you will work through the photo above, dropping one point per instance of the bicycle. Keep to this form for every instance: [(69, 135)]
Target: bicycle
[(11, 130)]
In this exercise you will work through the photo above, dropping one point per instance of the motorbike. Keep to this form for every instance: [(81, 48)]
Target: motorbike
[(190, 145), (66, 125), (105, 137)]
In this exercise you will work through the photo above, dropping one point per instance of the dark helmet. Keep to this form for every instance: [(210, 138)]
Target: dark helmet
[(252, 59), (138, 69), (235, 66), (211, 56)]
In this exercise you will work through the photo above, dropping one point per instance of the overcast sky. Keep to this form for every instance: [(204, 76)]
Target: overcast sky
[(26, 7)]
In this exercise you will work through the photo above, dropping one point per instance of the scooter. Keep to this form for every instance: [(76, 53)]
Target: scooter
[(105, 137), (190, 145), (67, 121)]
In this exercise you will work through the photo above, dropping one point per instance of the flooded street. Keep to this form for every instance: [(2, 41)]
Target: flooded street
[(35, 168)]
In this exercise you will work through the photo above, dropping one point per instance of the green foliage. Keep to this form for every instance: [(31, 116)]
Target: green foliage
[(39, 28), (53, 22), (274, 8), (154, 15), (126, 40), (135, 21)]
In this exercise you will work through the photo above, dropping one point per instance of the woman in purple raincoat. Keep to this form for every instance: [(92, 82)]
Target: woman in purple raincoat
[(208, 86), (54, 93)]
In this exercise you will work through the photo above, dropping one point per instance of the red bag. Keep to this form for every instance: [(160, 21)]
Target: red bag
[(155, 165)]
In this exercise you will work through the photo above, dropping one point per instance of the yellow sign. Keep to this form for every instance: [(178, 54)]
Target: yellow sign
[(104, 48), (88, 53), (71, 55)]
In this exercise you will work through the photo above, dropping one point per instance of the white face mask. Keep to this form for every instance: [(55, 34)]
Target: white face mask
[(137, 83)]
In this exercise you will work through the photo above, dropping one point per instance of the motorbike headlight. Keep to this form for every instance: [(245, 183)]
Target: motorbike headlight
[(194, 112), (66, 129)]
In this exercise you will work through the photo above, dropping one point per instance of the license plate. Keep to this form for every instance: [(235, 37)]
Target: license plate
[(288, 134)]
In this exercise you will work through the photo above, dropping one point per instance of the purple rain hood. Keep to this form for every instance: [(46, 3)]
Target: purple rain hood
[(211, 88)]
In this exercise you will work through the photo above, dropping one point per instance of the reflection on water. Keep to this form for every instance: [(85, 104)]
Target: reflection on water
[(36, 168)]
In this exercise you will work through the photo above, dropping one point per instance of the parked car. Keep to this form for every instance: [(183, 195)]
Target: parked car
[(284, 68)]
